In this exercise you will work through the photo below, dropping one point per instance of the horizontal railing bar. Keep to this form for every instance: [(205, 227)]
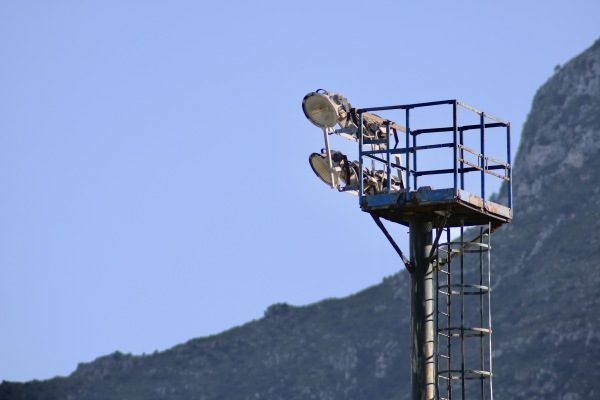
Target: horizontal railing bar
[(506, 178), (431, 130), (470, 150), (431, 103), (467, 373), (374, 141), (450, 171), (394, 165), (409, 150), (431, 146), (477, 167), (478, 126), (405, 106), (468, 107), (497, 161), (459, 128), (392, 151), (439, 171), (465, 328), (479, 155)]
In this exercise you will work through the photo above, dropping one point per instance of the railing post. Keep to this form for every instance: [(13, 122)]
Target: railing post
[(415, 175), (388, 156), (360, 159), (455, 140), (509, 162), (482, 149), (407, 151)]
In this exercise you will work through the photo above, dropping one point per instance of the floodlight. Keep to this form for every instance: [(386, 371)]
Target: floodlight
[(325, 109), (342, 170), (320, 166)]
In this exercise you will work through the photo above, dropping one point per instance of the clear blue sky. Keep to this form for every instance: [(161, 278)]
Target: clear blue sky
[(153, 154)]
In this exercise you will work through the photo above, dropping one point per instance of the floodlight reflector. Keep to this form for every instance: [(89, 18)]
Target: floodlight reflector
[(343, 170), (320, 109), (320, 166)]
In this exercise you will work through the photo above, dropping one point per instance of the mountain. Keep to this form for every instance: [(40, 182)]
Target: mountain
[(546, 312), (547, 309), (347, 348)]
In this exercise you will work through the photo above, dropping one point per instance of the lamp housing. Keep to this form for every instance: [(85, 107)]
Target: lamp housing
[(342, 170), (325, 109)]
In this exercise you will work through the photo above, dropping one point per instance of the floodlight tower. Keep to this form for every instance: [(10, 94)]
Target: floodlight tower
[(450, 282)]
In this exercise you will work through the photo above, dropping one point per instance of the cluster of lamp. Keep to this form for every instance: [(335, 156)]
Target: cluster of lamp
[(326, 110)]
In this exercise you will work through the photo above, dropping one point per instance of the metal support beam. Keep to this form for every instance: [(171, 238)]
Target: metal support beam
[(422, 325), (440, 229), (389, 237)]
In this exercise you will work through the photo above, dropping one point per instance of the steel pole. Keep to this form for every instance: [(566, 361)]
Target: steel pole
[(421, 314)]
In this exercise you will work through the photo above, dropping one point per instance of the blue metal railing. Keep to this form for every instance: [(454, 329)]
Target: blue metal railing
[(485, 165)]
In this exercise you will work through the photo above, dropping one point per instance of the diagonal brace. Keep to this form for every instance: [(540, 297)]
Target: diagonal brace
[(440, 229), (389, 237)]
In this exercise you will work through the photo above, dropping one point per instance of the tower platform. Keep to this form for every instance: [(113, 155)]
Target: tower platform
[(465, 208)]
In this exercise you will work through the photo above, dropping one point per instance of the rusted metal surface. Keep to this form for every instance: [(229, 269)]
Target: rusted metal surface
[(498, 209), (470, 198), (401, 206), (384, 121), (479, 112), (483, 164)]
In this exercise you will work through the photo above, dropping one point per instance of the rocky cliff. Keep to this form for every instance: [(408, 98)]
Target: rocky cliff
[(545, 304), (547, 310)]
